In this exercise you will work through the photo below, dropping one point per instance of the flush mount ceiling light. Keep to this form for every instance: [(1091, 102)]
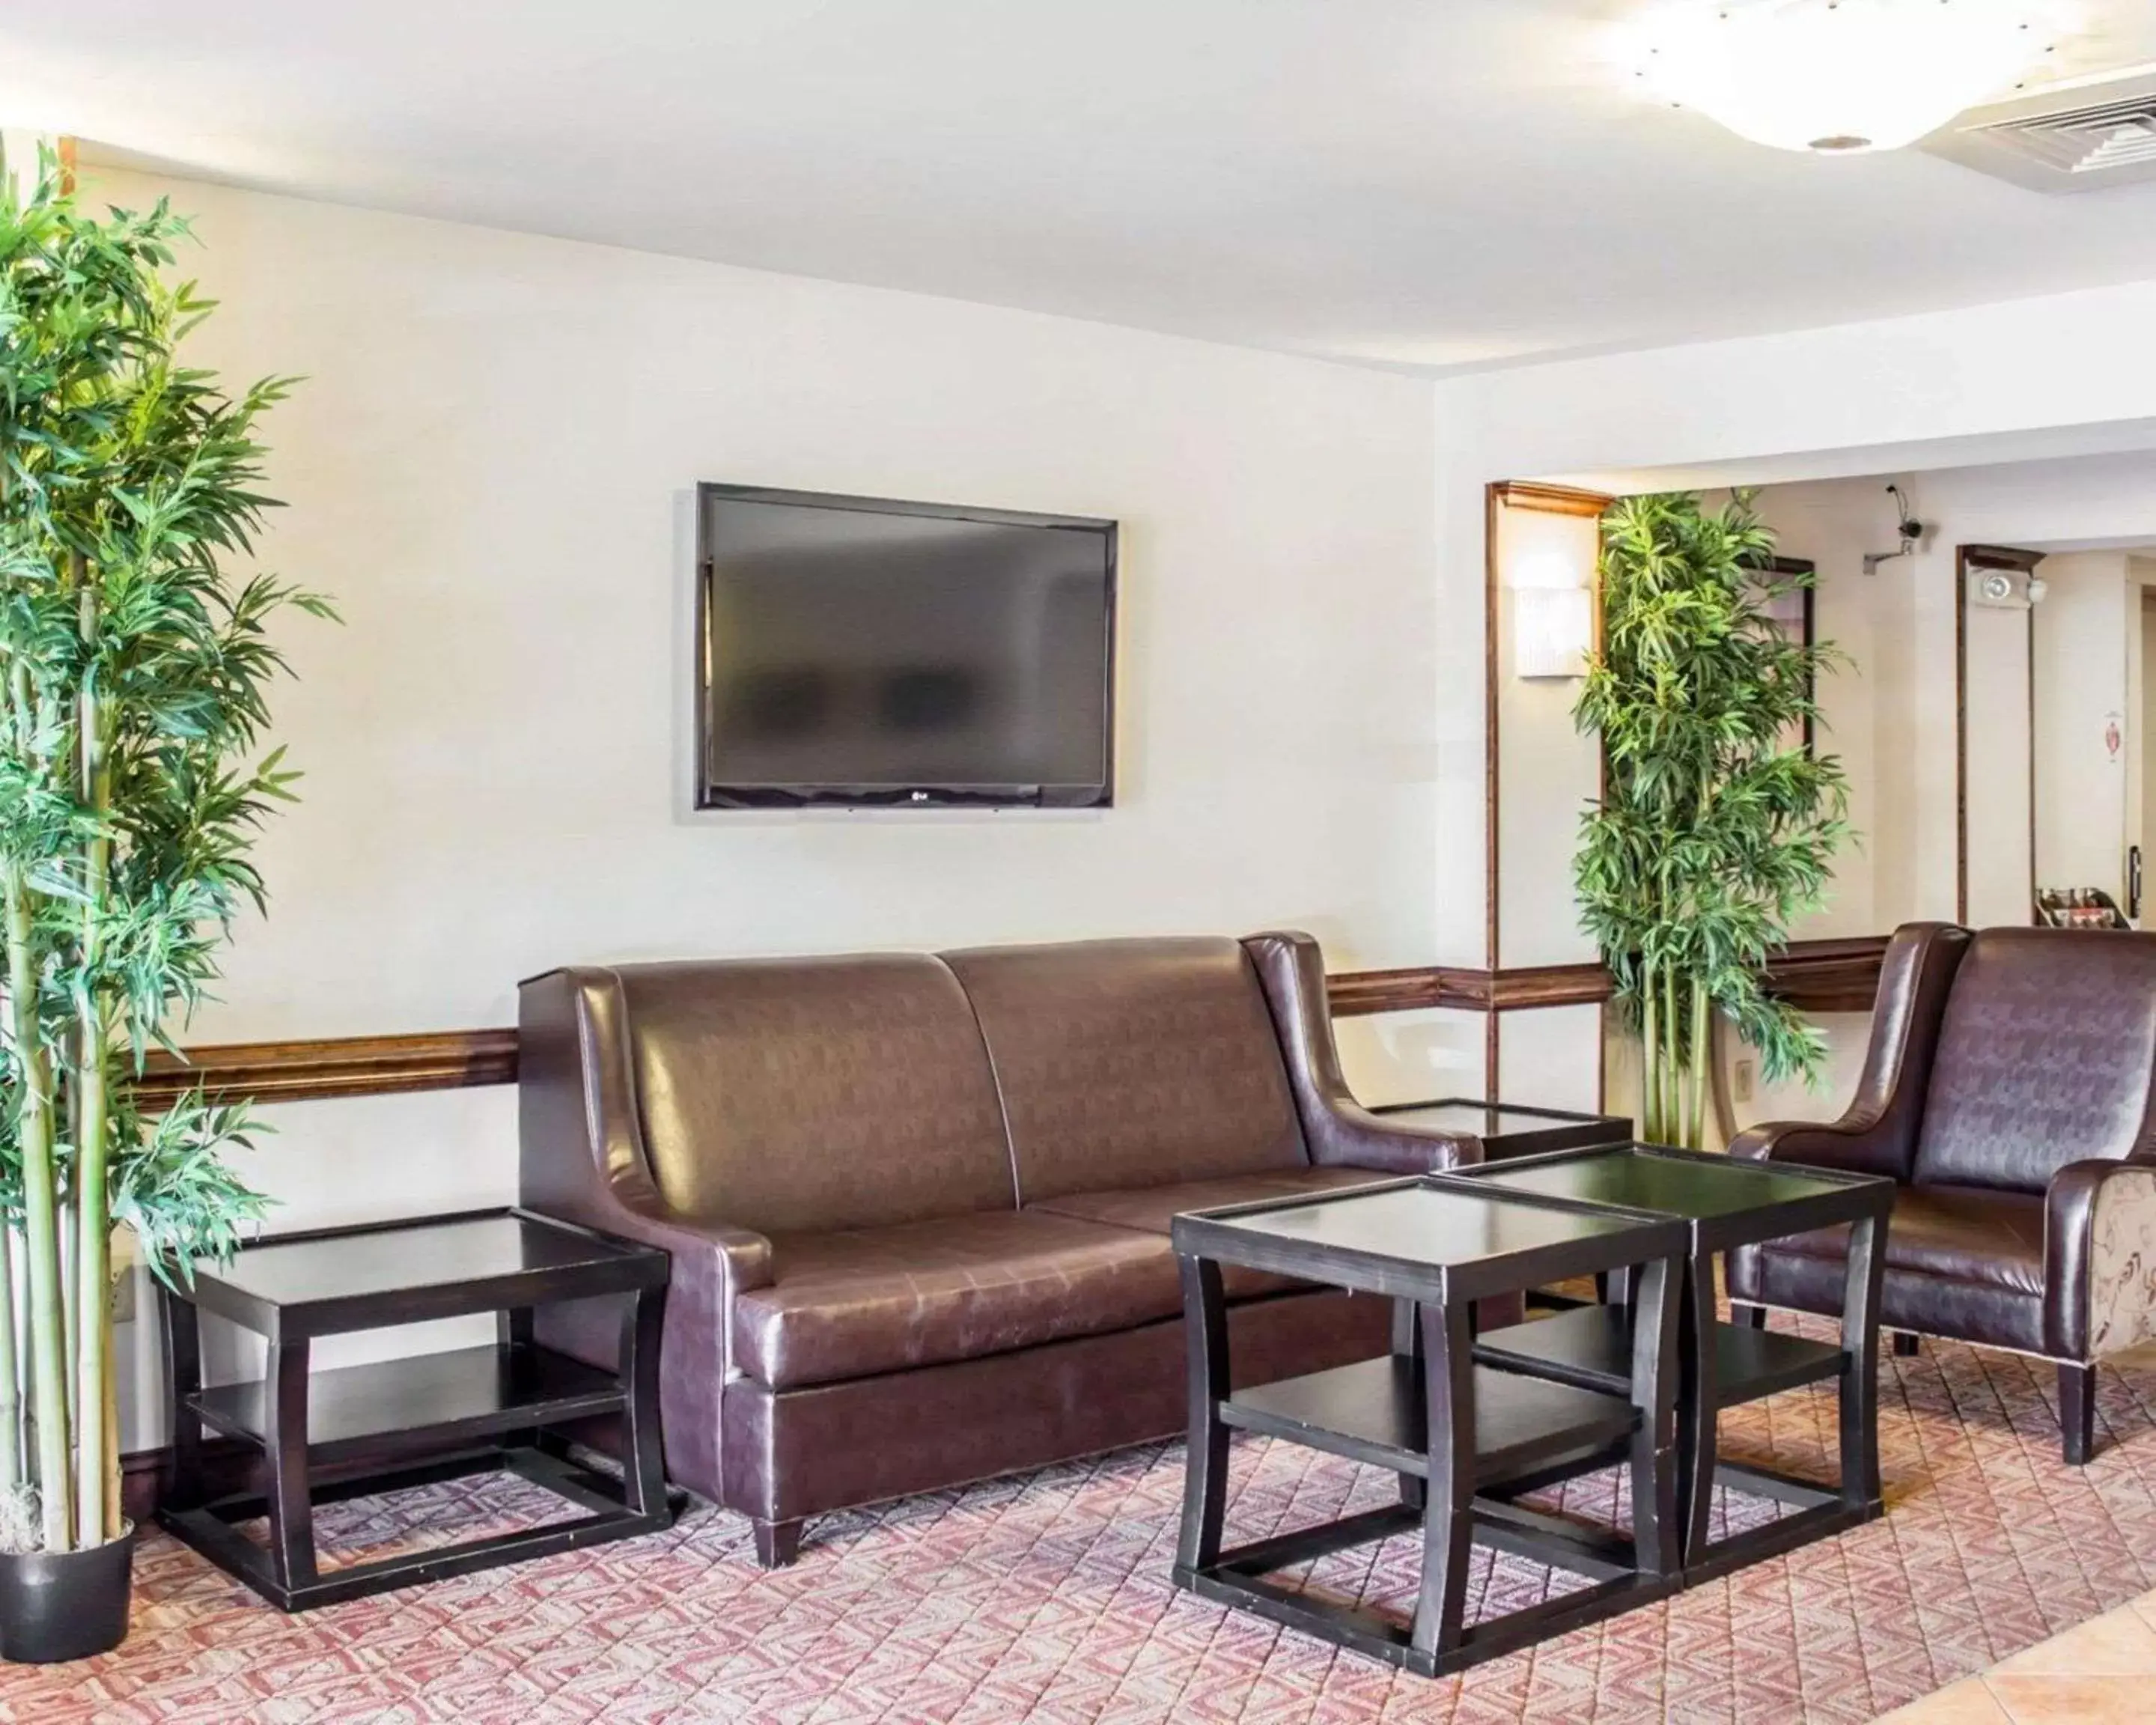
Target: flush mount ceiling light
[(1842, 77)]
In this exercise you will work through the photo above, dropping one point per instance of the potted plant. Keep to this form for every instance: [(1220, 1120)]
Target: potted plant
[(1716, 828), (132, 672)]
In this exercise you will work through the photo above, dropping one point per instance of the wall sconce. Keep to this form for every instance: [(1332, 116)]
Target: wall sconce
[(1552, 617)]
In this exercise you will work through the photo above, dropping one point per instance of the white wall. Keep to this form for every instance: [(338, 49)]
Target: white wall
[(489, 467)]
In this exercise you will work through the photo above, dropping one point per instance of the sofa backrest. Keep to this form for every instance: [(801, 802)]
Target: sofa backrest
[(794, 1093), (2046, 1056), (1127, 1063)]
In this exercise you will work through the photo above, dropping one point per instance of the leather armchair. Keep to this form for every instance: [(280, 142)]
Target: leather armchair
[(2010, 1092)]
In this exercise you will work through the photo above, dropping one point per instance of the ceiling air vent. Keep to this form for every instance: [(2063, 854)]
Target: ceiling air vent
[(2079, 140)]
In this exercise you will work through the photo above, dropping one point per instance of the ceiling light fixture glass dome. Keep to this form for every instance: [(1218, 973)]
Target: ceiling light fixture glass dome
[(1843, 76)]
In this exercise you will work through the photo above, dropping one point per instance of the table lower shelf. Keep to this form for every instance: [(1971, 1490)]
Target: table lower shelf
[(1590, 1348), (213, 1529), (429, 1400), (1373, 1411)]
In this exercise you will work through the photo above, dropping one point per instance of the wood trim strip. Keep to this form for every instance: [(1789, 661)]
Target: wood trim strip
[(337, 1066), (1817, 976), (1828, 976), (1551, 500)]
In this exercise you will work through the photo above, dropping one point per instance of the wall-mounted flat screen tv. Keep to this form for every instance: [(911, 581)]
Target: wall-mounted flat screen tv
[(855, 651)]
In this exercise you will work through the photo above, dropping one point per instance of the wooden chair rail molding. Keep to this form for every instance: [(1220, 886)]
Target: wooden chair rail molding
[(1818, 976)]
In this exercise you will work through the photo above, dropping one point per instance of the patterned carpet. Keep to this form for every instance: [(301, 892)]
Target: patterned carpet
[(1046, 1599)]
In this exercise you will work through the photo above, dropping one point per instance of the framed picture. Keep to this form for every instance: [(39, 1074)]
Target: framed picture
[(1792, 613)]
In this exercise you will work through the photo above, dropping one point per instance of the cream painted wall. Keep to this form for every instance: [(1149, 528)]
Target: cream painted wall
[(489, 466), (2000, 816), (2082, 634)]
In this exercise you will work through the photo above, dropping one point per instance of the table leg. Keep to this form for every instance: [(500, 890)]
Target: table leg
[(644, 1469), (1860, 1374), (1448, 1349), (284, 1441), (513, 1329), (183, 1380), (1205, 1471), (1407, 1344), (1700, 1405), (1658, 1293)]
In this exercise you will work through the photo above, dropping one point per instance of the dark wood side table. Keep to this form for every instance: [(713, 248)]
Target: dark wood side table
[(405, 1422), (1722, 1203), (1450, 1429), (1510, 1129)]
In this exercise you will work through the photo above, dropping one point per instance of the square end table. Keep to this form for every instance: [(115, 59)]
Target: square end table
[(466, 1411), (1722, 1203), (1451, 1430)]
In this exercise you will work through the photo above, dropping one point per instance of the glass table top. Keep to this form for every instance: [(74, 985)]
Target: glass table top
[(386, 1260), (1423, 1225), (1485, 1120), (1636, 1178)]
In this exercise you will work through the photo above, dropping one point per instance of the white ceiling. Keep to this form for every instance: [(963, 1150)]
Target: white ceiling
[(1416, 182)]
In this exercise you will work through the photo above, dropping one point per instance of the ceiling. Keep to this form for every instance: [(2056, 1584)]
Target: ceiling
[(1422, 183)]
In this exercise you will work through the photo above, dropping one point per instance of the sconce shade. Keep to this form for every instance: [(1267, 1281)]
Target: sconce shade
[(1553, 628)]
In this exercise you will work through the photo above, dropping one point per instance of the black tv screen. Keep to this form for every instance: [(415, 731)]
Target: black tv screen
[(857, 651)]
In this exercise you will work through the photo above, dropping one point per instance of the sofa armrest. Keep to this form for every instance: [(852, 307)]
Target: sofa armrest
[(1337, 1130), (582, 1158), (2100, 1257)]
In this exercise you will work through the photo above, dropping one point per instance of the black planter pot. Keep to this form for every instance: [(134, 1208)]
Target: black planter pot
[(62, 1605)]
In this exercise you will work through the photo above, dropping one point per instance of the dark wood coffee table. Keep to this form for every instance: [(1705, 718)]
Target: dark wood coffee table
[(462, 1412), (1722, 1203), (1450, 1429), (1510, 1129)]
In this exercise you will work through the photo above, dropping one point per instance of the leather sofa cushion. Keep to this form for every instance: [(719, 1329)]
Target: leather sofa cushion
[(807, 1094), (1154, 1208), (1132, 1063), (1151, 1210), (2044, 1057), (853, 1303), (1955, 1233)]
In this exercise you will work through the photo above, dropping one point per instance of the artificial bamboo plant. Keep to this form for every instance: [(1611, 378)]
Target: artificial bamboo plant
[(132, 672), (1716, 828)]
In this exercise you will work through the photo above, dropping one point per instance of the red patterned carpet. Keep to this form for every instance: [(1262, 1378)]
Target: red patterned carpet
[(1046, 1599)]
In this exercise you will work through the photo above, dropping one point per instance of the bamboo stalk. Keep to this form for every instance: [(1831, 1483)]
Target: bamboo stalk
[(1650, 1059), (40, 1223), (1673, 1061), (1699, 1055), (11, 1385), (115, 1513), (93, 1147)]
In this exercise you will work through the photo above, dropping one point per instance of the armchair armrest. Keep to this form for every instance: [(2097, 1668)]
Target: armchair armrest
[(1854, 1144), (2100, 1257), (1878, 1134), (1338, 1130)]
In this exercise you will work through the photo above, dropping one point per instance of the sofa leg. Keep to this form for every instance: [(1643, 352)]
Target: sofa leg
[(1906, 1344), (1748, 1317), (777, 1543), (2077, 1412)]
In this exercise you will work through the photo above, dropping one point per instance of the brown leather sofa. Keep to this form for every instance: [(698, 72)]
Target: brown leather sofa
[(918, 1205), (2011, 1090)]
